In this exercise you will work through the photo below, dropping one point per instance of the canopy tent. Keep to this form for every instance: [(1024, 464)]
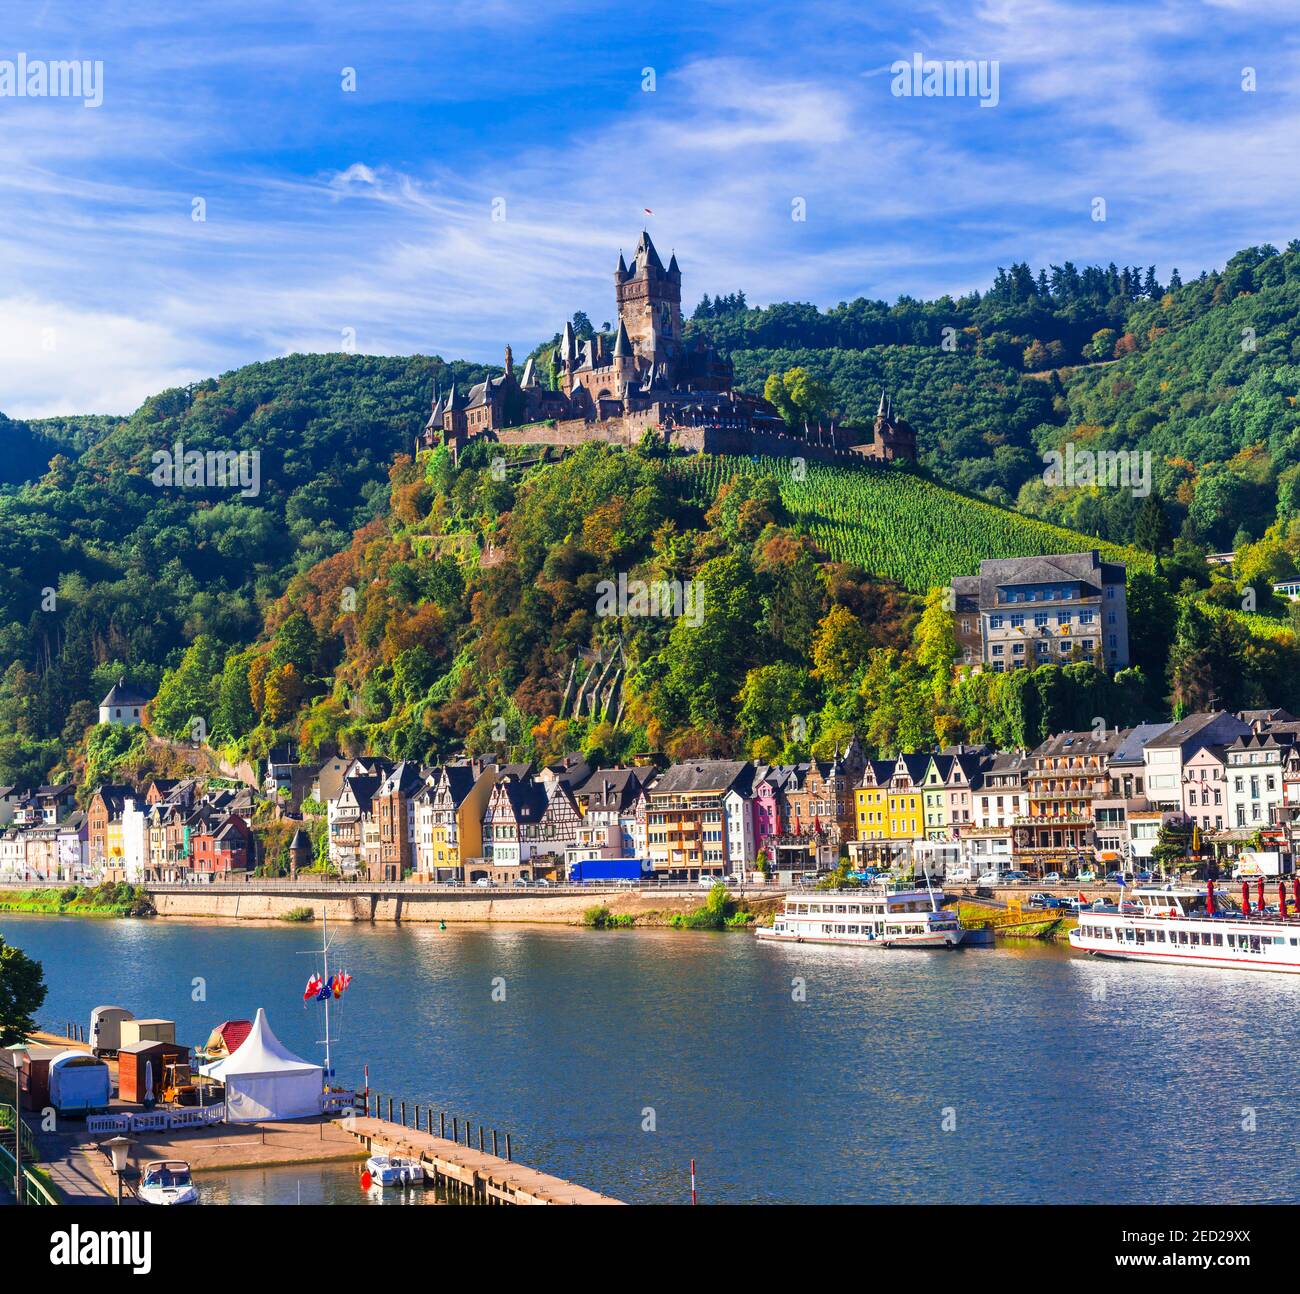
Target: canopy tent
[(265, 1080)]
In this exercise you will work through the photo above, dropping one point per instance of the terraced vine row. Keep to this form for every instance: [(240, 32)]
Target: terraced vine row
[(895, 524)]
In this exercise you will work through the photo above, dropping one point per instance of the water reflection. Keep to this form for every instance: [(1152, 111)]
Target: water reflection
[(790, 1073)]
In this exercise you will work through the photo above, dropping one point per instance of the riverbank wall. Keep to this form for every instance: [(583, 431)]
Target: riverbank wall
[(416, 903)]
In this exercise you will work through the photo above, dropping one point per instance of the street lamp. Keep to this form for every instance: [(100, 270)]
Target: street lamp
[(19, 1057), (119, 1148)]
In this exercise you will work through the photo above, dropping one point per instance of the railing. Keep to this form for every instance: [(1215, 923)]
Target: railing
[(8, 1118), (449, 1127), (33, 1189), (414, 888), (156, 1120)]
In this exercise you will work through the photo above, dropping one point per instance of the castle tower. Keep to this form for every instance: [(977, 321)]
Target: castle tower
[(650, 304)]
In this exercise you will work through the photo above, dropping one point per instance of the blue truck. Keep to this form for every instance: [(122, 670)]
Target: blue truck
[(609, 869)]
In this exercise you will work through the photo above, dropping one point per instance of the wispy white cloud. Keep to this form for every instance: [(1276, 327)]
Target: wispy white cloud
[(376, 213)]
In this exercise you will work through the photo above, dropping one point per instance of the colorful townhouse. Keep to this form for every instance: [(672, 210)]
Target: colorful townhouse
[(613, 806), (686, 817), (528, 828)]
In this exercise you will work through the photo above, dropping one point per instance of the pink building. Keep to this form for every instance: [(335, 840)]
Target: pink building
[(1205, 789), (767, 805)]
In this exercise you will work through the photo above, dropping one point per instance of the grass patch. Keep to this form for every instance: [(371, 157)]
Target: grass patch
[(601, 918), (298, 914), (106, 900)]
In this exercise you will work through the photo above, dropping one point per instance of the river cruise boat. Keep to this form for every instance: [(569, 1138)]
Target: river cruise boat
[(878, 916), (1189, 926)]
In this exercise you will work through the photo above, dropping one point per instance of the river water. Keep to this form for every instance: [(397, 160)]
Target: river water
[(790, 1074)]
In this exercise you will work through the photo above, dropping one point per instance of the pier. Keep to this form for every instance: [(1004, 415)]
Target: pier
[(468, 1174)]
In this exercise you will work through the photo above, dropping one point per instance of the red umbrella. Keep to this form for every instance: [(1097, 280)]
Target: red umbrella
[(1245, 898), (1259, 890), (1209, 898), (1281, 897), (1295, 893)]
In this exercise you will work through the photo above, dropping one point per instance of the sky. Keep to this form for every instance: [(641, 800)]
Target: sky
[(446, 176)]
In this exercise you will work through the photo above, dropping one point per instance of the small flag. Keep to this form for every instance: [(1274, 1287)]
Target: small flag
[(647, 211), (312, 989), (323, 993)]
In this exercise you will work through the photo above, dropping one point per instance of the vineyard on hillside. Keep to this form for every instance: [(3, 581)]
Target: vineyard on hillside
[(895, 523)]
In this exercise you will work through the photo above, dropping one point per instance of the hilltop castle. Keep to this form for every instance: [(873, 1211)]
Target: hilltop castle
[(651, 378)]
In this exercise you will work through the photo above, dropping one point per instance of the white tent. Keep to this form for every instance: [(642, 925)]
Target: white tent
[(265, 1080)]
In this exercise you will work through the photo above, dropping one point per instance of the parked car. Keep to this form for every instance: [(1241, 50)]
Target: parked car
[(1052, 878), (1044, 901), (1069, 904), (959, 875), (1114, 878), (542, 883), (993, 878), (1145, 877), (1015, 876), (1087, 875), (483, 881), (708, 882)]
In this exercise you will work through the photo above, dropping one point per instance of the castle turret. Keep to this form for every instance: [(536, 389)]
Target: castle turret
[(650, 306)]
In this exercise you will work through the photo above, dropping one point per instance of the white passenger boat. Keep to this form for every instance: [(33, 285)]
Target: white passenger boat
[(877, 916), (167, 1181), (1189, 926), (393, 1170)]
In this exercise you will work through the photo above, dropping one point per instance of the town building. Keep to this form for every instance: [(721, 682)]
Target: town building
[(1165, 755), (686, 817), (1024, 611), (123, 705)]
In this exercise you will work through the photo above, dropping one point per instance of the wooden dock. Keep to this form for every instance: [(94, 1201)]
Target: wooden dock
[(468, 1173)]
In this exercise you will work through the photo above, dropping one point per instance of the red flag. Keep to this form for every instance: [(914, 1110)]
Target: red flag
[(647, 211), (312, 989)]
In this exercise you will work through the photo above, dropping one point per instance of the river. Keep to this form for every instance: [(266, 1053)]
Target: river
[(790, 1074)]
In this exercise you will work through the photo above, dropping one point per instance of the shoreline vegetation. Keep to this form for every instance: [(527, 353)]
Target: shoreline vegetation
[(105, 900), (720, 911)]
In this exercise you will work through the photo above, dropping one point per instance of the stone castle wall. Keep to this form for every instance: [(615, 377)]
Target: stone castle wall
[(628, 429)]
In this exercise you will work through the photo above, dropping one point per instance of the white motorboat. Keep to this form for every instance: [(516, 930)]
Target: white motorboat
[(394, 1170), (167, 1181)]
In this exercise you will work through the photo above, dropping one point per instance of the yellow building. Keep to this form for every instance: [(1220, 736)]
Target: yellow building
[(871, 801), (906, 807), (449, 816)]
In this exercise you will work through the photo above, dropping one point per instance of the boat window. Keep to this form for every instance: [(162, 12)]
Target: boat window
[(1218, 940)]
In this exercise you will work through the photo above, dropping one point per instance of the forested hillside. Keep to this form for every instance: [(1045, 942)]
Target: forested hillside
[(363, 599)]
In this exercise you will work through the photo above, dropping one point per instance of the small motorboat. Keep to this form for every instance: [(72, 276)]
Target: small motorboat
[(393, 1170), (167, 1181)]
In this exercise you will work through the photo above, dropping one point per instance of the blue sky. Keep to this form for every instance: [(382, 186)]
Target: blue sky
[(332, 214)]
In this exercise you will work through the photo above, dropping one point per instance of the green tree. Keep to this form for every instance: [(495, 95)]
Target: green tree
[(22, 994)]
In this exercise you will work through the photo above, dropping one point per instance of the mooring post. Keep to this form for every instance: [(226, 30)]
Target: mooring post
[(494, 1142), (403, 1114), (508, 1146), (442, 1124), (480, 1136), (390, 1109), (455, 1129)]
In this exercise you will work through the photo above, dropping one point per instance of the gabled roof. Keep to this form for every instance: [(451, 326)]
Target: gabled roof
[(1192, 728), (404, 779), (124, 693), (714, 776), (611, 788), (115, 795), (1078, 743), (363, 787), (1133, 741)]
